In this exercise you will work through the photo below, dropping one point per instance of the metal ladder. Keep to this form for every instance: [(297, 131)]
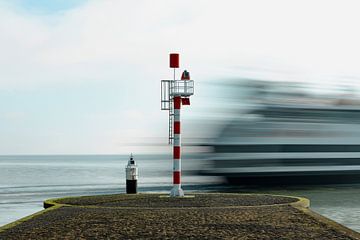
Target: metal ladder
[(167, 103), (171, 112), (171, 120)]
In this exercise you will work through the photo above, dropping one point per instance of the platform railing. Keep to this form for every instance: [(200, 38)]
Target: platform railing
[(183, 88)]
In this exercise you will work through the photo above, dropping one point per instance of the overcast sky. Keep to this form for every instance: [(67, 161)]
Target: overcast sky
[(82, 76)]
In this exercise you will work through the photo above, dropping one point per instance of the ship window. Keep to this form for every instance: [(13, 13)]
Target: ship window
[(267, 148), (300, 114)]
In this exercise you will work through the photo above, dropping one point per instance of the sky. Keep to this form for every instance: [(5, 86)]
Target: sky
[(83, 76)]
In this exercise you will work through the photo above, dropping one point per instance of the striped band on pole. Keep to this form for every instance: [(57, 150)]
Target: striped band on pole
[(177, 143)]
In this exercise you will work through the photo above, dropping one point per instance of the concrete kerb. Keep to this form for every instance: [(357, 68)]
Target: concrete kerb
[(329, 222)]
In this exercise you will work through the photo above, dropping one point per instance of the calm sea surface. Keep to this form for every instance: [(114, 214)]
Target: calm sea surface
[(26, 181)]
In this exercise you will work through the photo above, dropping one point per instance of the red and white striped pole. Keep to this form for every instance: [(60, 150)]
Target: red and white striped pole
[(179, 93), (176, 191)]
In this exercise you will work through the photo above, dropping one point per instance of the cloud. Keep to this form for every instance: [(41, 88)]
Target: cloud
[(85, 41), (123, 46)]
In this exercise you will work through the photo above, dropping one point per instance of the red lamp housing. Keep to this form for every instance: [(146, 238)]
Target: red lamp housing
[(174, 60)]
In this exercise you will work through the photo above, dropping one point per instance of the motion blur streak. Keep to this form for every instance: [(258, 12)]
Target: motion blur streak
[(285, 132)]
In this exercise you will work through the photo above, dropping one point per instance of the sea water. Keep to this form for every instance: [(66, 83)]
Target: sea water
[(26, 181)]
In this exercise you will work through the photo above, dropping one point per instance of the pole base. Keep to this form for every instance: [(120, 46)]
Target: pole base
[(176, 191)]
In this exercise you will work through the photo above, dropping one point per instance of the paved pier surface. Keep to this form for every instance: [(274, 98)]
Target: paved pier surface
[(155, 216)]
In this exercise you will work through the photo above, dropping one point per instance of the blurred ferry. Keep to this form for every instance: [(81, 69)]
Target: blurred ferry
[(289, 136)]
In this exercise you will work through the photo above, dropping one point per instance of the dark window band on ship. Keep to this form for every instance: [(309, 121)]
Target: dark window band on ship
[(268, 148)]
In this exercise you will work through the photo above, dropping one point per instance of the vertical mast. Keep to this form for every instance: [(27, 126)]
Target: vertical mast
[(176, 191), (175, 93)]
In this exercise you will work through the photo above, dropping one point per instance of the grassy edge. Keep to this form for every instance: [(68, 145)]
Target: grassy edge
[(52, 204), (302, 204), (27, 218)]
